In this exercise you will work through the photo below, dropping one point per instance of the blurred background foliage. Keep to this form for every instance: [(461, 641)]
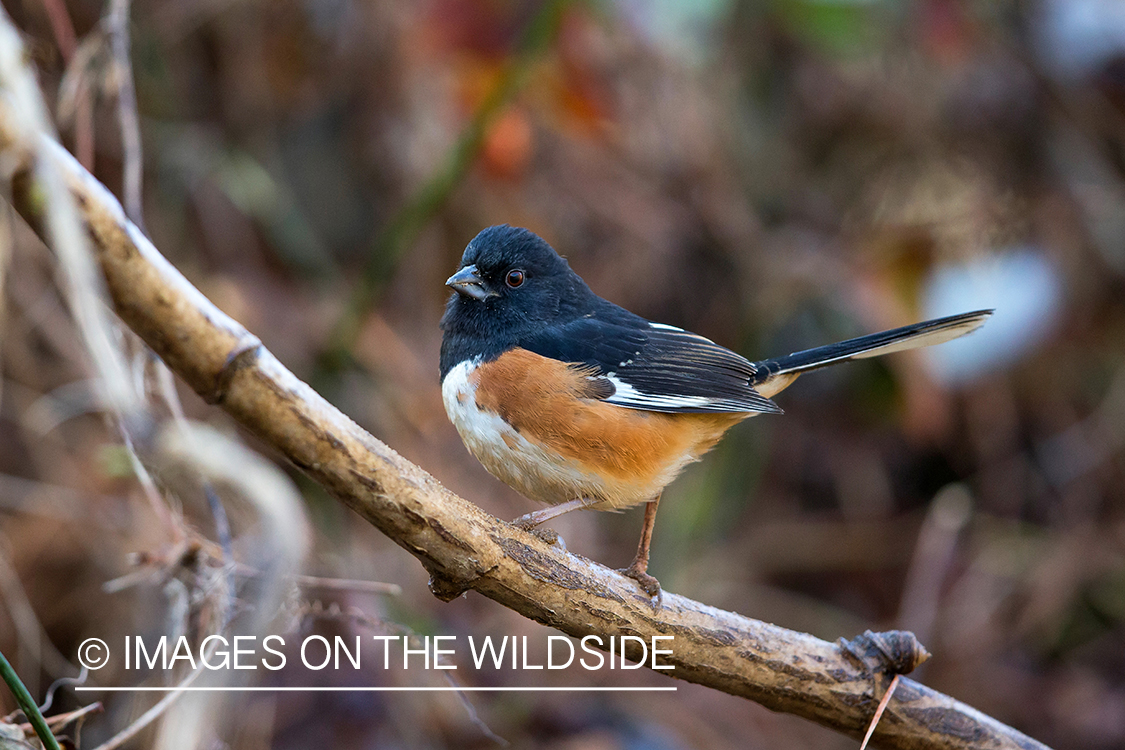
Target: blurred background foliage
[(773, 174)]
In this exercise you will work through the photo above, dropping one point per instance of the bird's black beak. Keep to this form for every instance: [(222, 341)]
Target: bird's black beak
[(468, 282)]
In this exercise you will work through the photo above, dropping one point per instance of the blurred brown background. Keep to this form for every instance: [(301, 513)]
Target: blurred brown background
[(773, 174)]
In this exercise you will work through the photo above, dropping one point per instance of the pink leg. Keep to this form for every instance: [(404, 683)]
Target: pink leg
[(638, 569), (529, 521)]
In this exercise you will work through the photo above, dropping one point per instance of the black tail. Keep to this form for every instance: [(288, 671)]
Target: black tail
[(775, 374)]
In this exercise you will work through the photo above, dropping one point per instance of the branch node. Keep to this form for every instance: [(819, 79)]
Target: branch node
[(446, 589), (242, 356), (891, 652)]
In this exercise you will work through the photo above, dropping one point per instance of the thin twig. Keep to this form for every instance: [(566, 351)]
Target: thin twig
[(117, 23), (78, 92), (879, 712), (348, 584), (59, 721), (334, 584), (934, 554), (166, 386), (63, 29), (63, 682), (167, 518), (81, 279)]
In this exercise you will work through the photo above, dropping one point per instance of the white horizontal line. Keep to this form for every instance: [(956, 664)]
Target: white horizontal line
[(371, 689)]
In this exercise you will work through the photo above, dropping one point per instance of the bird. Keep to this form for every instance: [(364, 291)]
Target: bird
[(576, 402)]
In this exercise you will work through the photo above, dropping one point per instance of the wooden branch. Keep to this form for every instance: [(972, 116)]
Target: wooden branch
[(837, 685)]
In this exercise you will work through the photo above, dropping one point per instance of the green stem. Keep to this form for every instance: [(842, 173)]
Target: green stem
[(412, 219), (27, 704)]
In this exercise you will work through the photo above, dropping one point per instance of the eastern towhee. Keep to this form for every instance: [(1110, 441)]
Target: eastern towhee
[(576, 402)]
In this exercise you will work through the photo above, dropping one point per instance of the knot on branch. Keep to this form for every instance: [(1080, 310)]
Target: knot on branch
[(446, 589), (242, 356), (891, 652)]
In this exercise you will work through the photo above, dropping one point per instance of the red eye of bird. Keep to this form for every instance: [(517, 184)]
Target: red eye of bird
[(514, 278)]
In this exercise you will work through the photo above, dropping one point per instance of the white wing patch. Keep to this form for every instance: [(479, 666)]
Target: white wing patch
[(627, 395)]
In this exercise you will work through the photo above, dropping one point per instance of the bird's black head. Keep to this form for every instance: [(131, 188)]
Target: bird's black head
[(510, 283)]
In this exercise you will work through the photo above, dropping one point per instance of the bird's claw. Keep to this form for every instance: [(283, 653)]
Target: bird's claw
[(648, 584), (550, 536), (531, 526)]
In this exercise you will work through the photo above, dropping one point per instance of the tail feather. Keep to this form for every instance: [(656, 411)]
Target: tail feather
[(775, 374)]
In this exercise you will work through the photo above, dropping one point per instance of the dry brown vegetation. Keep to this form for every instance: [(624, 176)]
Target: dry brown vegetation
[(797, 178)]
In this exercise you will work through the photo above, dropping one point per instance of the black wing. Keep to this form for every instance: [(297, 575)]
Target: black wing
[(651, 366)]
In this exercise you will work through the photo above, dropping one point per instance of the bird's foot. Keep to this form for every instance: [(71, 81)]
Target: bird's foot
[(530, 524), (530, 521), (550, 536), (527, 522), (648, 583)]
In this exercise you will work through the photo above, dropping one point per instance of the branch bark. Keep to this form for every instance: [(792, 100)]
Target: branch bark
[(837, 685)]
